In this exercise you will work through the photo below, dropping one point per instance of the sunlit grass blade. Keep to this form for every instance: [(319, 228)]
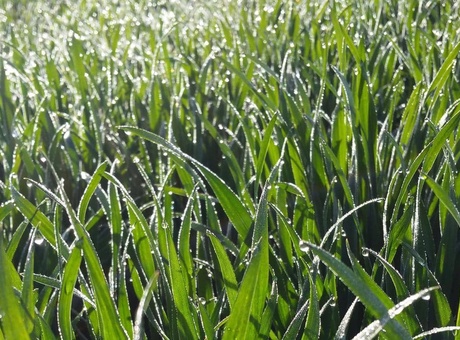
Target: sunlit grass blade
[(225, 266), (377, 326), (269, 312), (232, 205), (105, 307), (437, 330), (253, 289), (27, 292), (343, 327), (14, 321), (297, 321), (89, 191), (371, 295), (402, 292), (313, 322), (35, 216), (66, 293), (184, 243), (183, 322), (143, 305), (437, 85)]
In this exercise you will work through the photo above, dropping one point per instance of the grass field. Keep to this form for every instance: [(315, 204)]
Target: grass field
[(229, 169)]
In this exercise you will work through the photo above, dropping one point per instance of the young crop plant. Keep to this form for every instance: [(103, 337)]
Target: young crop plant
[(235, 169)]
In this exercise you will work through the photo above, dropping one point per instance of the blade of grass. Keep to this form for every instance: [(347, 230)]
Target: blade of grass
[(443, 197), (371, 295), (235, 210), (377, 326), (105, 307), (66, 293), (14, 322), (249, 304), (343, 327)]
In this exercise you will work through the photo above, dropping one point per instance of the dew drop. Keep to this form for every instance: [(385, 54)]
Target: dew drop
[(365, 252), (426, 297), (333, 302), (304, 246), (39, 241)]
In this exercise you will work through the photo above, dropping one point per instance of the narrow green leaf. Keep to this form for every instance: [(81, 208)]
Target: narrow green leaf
[(252, 294), (183, 320), (225, 266), (105, 307), (66, 293), (368, 292), (294, 327), (143, 305), (35, 216), (443, 197), (232, 205), (267, 316), (312, 325), (402, 292), (443, 73), (377, 326), (89, 191), (13, 321), (442, 137), (343, 327), (437, 330)]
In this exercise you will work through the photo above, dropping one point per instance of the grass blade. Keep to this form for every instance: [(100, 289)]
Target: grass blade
[(13, 321), (377, 326), (230, 202), (375, 300), (66, 293)]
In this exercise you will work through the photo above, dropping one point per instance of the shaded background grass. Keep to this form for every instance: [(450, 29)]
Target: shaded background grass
[(252, 126)]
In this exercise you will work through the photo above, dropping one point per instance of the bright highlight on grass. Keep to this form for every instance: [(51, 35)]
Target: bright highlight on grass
[(229, 169)]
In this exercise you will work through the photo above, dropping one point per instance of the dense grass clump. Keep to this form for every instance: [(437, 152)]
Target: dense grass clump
[(229, 169)]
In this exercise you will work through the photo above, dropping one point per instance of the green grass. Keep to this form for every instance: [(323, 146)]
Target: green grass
[(229, 169)]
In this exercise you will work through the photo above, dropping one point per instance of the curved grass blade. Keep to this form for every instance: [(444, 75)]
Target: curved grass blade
[(89, 191), (183, 319), (443, 197), (5, 209), (442, 75), (27, 291), (377, 326), (368, 292), (35, 216), (402, 292), (230, 202), (184, 242), (269, 312), (437, 331), (143, 305), (439, 141)]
